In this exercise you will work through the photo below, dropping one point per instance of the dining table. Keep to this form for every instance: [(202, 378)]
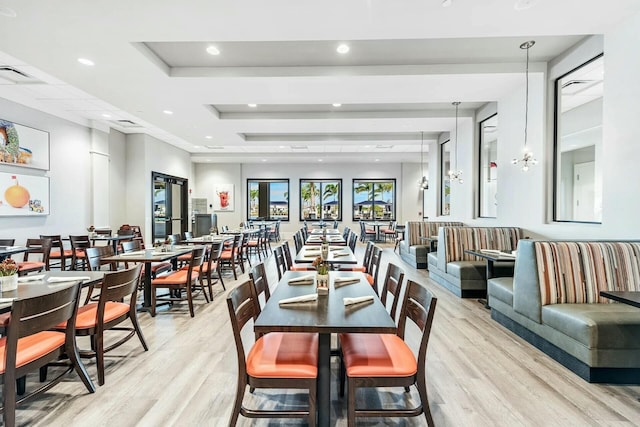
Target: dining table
[(331, 239), (327, 231), (337, 255), (149, 256), (7, 251), (327, 315), (112, 240), (35, 285)]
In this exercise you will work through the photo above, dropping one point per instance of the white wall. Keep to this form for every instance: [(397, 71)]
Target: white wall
[(117, 179), (208, 175)]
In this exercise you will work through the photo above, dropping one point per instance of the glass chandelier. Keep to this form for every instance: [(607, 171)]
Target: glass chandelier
[(456, 174), (527, 158)]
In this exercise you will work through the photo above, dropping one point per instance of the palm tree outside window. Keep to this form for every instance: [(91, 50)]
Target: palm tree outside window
[(321, 199), (374, 199)]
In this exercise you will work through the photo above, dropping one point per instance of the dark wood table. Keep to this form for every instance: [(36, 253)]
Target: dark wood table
[(327, 231), (376, 225), (626, 297), (113, 240), (432, 241), (491, 259), (331, 239), (147, 257), (309, 253), (209, 240), (7, 251), (42, 287), (325, 316)]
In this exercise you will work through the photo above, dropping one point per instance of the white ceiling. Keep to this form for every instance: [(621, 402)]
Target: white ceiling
[(408, 61)]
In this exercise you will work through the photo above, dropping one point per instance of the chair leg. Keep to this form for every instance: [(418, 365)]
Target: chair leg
[(74, 358), (351, 403), (99, 339), (424, 399), (21, 385), (43, 373), (190, 300), (136, 326), (343, 374), (153, 301), (9, 397), (312, 404), (219, 271), (235, 413)]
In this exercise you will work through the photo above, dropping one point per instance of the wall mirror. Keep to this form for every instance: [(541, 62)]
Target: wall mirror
[(445, 179), (321, 199), (578, 144), (268, 199), (488, 183)]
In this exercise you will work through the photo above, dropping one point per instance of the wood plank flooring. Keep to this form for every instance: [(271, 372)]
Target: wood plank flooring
[(478, 374)]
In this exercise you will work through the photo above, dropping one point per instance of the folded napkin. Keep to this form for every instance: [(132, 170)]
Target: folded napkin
[(506, 256), (490, 251), (357, 300), (162, 253), (339, 254), (136, 253), (312, 249), (30, 278), (67, 279), (302, 280), (301, 298), (346, 280)]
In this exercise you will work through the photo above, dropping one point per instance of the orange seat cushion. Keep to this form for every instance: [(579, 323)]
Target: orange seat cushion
[(369, 278), (300, 268), (56, 254), (226, 255), (80, 253), (30, 265), (158, 266), (377, 355), (185, 257), (4, 319), (203, 268), (360, 268), (284, 355), (177, 278), (32, 347), (87, 314)]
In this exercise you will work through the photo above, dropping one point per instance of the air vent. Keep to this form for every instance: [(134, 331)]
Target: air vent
[(299, 147), (215, 147), (126, 123), (384, 147), (14, 75)]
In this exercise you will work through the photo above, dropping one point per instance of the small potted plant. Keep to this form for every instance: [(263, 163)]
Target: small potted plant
[(92, 230), (8, 275), (322, 275)]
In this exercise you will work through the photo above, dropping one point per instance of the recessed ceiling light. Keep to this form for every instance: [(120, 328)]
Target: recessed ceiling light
[(252, 105), (264, 160), (87, 62), (377, 160), (168, 112), (196, 146), (343, 48), (212, 50), (319, 160), (446, 3), (524, 4), (367, 146), (105, 115), (282, 146), (8, 12), (208, 160), (337, 105), (208, 137)]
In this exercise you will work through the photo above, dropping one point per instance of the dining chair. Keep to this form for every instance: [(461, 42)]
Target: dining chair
[(281, 264), (79, 245), (177, 281), (25, 266), (297, 240), (345, 233), (374, 267), (395, 365), (94, 319), (229, 255), (57, 250), (392, 285), (188, 235), (205, 270), (156, 267), (30, 344), (254, 245), (365, 261), (276, 360), (258, 276), (95, 263), (290, 265), (353, 240), (390, 231)]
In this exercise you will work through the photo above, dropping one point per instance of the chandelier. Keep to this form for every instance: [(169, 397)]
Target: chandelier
[(423, 183), (527, 158), (456, 174)]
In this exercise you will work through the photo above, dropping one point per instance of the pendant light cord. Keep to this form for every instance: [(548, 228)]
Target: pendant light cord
[(526, 100), (422, 152), (456, 167)]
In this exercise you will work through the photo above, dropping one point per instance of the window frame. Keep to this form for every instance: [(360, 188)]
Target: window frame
[(356, 181), (321, 183), (269, 181)]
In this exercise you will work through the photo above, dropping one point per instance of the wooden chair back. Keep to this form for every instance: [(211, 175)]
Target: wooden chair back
[(95, 255), (392, 285), (7, 242), (419, 306), (374, 265), (131, 246), (258, 276), (353, 239), (281, 264), (287, 255)]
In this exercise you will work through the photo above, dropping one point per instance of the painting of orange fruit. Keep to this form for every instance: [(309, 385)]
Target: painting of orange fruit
[(24, 195)]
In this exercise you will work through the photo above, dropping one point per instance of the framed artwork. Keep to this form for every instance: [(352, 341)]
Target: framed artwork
[(23, 146), (24, 195), (223, 199)]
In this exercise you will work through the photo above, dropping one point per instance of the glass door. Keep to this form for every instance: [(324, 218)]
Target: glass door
[(169, 205), (159, 209)]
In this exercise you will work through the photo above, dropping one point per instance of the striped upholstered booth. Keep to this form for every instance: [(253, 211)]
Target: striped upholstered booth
[(413, 250), (463, 274), (553, 301)]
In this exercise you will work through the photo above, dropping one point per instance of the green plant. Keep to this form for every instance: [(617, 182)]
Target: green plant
[(8, 267), (322, 267)]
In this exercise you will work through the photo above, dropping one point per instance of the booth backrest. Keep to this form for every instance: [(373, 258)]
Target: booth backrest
[(416, 229), (453, 241)]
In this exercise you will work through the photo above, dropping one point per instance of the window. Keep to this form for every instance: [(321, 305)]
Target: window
[(488, 167), (374, 199), (321, 199), (268, 199), (445, 180), (578, 144)]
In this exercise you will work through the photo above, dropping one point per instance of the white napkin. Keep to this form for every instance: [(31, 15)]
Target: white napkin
[(490, 251), (339, 254), (33, 278), (301, 298), (343, 280), (67, 279), (162, 253), (357, 300), (506, 256), (136, 253), (302, 279), (312, 249)]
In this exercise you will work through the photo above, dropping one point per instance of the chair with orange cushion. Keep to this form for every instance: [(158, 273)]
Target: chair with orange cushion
[(365, 261), (95, 318), (385, 360), (79, 244), (58, 252), (27, 266), (229, 254), (206, 269), (390, 231), (30, 344), (374, 267), (177, 281), (156, 267), (290, 265), (258, 276), (254, 245), (276, 360), (392, 285)]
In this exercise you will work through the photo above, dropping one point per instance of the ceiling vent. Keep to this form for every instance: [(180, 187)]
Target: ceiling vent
[(215, 147), (384, 147), (299, 147), (16, 76), (125, 123)]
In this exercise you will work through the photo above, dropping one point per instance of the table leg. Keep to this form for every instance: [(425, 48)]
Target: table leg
[(324, 379), (490, 274), (146, 306)]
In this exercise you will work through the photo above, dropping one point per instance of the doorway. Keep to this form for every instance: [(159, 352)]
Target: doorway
[(169, 205)]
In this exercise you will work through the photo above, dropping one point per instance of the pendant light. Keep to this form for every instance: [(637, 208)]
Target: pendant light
[(423, 183), (456, 174), (527, 158)]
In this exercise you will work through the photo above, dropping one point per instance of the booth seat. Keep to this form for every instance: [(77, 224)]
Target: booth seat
[(553, 302), (463, 274), (414, 251)]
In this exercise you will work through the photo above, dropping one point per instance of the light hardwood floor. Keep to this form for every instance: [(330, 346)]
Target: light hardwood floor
[(478, 374)]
